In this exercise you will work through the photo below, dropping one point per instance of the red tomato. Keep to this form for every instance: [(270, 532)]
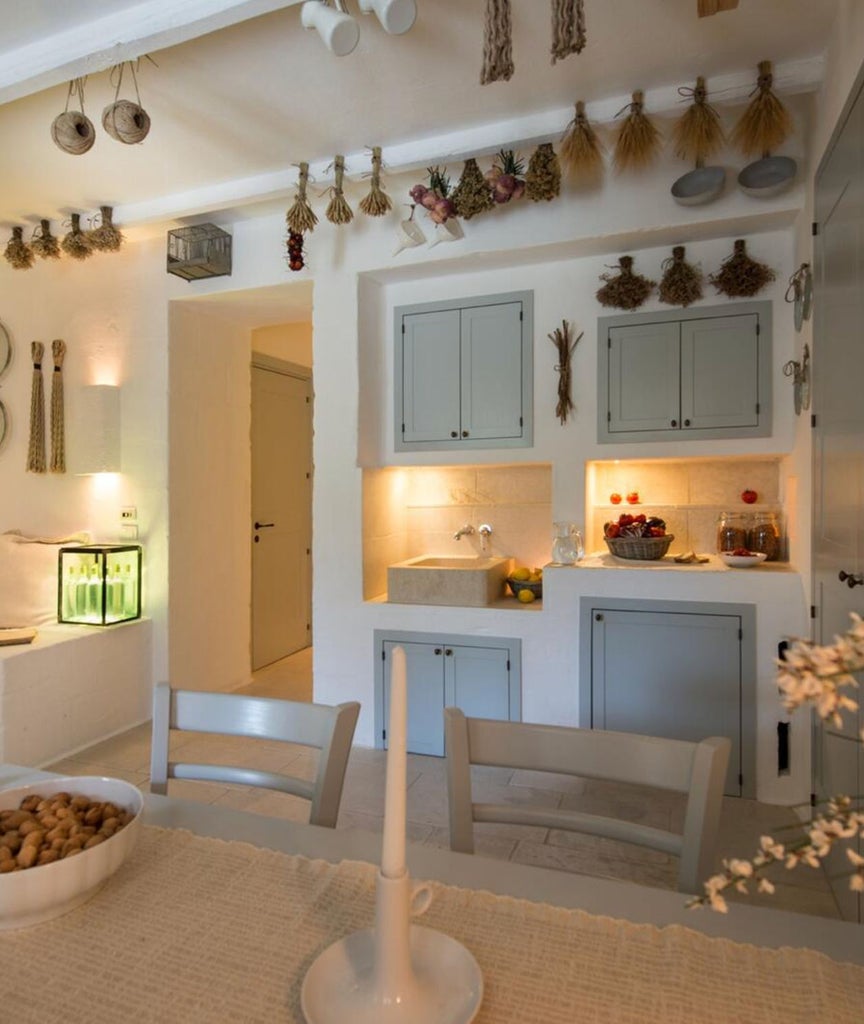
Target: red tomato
[(749, 496), (633, 498), (615, 498)]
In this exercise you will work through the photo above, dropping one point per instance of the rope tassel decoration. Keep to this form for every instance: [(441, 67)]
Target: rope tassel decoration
[(36, 449), (338, 210), (58, 430), (301, 218), (377, 203)]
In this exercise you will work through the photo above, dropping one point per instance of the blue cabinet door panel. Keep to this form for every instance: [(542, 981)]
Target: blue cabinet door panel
[(476, 679), (492, 371), (644, 390), (430, 378), (720, 372), (425, 674)]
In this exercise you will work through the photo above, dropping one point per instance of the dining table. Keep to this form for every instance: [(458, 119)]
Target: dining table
[(218, 914)]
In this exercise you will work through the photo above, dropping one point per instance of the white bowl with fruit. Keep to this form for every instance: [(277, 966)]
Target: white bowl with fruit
[(741, 558)]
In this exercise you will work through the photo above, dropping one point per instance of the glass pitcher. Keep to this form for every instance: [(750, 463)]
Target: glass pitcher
[(567, 547)]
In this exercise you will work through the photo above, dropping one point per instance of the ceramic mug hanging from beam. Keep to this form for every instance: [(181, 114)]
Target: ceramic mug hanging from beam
[(800, 374), (800, 293)]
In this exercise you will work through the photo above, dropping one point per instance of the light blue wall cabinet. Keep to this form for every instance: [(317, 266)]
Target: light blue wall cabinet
[(687, 375), (464, 373), (680, 670), (481, 676)]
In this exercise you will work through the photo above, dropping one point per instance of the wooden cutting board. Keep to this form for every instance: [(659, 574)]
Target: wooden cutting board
[(23, 635)]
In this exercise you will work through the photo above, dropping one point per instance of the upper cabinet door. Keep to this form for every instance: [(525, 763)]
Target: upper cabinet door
[(492, 371), (643, 377), (430, 378), (720, 372)]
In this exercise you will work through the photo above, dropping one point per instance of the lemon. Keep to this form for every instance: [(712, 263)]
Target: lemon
[(521, 574), (535, 577), (526, 596)]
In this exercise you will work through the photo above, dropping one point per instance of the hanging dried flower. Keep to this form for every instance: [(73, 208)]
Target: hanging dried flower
[(505, 177), (740, 276), (582, 151), (377, 203), (106, 238), (682, 282), (698, 133), (543, 180), (624, 290), (472, 195), (766, 123), (44, 244), (301, 217), (75, 242), (295, 251), (18, 253), (338, 210), (560, 338), (638, 141)]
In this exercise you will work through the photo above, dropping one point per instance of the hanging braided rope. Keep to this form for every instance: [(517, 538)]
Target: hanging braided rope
[(58, 431), (301, 218), (36, 450), (497, 43), (377, 203), (568, 28)]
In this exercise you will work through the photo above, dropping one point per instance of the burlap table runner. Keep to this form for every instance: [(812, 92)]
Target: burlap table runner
[(194, 930)]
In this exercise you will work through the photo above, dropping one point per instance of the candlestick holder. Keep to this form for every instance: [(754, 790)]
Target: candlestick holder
[(396, 972)]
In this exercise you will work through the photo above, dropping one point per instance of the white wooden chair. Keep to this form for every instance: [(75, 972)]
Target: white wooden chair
[(330, 729), (697, 769)]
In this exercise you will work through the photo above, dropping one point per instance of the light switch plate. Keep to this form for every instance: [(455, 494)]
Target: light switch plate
[(129, 514)]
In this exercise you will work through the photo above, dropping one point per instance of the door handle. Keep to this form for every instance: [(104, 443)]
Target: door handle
[(263, 526), (851, 579)]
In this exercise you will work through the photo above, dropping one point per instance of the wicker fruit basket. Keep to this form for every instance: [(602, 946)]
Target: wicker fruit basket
[(642, 548)]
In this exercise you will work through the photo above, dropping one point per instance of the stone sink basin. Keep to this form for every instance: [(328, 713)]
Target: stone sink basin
[(470, 582)]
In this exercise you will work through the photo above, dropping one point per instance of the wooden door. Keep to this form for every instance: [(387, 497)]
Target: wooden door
[(282, 510), (491, 377), (430, 376), (838, 447), (644, 377)]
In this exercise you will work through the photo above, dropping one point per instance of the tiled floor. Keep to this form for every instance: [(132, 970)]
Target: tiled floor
[(743, 821)]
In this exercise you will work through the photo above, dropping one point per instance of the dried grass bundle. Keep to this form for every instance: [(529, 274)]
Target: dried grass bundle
[(560, 338), (301, 218), (698, 133), (338, 210), (377, 203), (472, 194), (543, 179), (740, 276), (624, 290), (18, 253), (44, 244), (681, 283), (75, 242), (497, 43), (106, 238), (766, 123), (638, 140), (582, 151), (568, 28)]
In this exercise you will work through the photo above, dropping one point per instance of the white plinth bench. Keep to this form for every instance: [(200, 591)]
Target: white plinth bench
[(71, 687)]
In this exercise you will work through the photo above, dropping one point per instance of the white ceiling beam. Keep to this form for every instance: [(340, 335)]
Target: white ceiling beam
[(790, 78), (95, 45)]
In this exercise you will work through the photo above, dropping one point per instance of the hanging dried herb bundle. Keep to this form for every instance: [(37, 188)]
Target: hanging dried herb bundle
[(497, 43), (301, 218), (338, 210), (472, 194), (295, 251), (44, 244), (624, 290), (18, 253), (560, 338), (739, 276), (543, 180), (568, 28), (766, 123), (582, 151), (377, 203), (681, 283), (638, 140), (75, 242), (58, 430), (106, 238), (36, 446), (698, 133)]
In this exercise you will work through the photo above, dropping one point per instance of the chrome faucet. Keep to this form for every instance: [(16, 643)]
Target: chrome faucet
[(485, 531), (463, 531)]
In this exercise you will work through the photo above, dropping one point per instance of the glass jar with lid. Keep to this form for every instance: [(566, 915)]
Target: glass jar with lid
[(765, 535), (733, 530)]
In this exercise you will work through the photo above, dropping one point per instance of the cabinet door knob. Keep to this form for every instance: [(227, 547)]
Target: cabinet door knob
[(686, 423), (448, 652), (674, 423), (464, 433), (437, 650), (850, 579), (454, 433)]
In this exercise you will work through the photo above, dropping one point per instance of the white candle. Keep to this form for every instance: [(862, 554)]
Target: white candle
[(393, 852)]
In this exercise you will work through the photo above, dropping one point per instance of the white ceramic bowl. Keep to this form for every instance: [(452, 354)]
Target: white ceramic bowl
[(41, 893), (743, 561)]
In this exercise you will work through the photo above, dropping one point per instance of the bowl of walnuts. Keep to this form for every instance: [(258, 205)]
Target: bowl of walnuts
[(60, 841)]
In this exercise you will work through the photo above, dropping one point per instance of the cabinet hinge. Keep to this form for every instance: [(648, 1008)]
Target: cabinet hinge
[(812, 611), (812, 799), (508, 664), (520, 421), (814, 228), (813, 421), (403, 428), (740, 780), (758, 328), (521, 316), (757, 408), (383, 655), (403, 326), (740, 633), (608, 341), (307, 399), (609, 418), (308, 551), (384, 735), (308, 626)]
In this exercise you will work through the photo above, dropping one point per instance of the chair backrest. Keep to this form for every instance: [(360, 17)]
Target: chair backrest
[(697, 769), (330, 729)]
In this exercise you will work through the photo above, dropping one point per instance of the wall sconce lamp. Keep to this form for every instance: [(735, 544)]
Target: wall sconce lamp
[(340, 32), (96, 445)]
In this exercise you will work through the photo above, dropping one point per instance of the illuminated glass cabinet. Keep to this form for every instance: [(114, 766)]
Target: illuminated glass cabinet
[(99, 584)]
